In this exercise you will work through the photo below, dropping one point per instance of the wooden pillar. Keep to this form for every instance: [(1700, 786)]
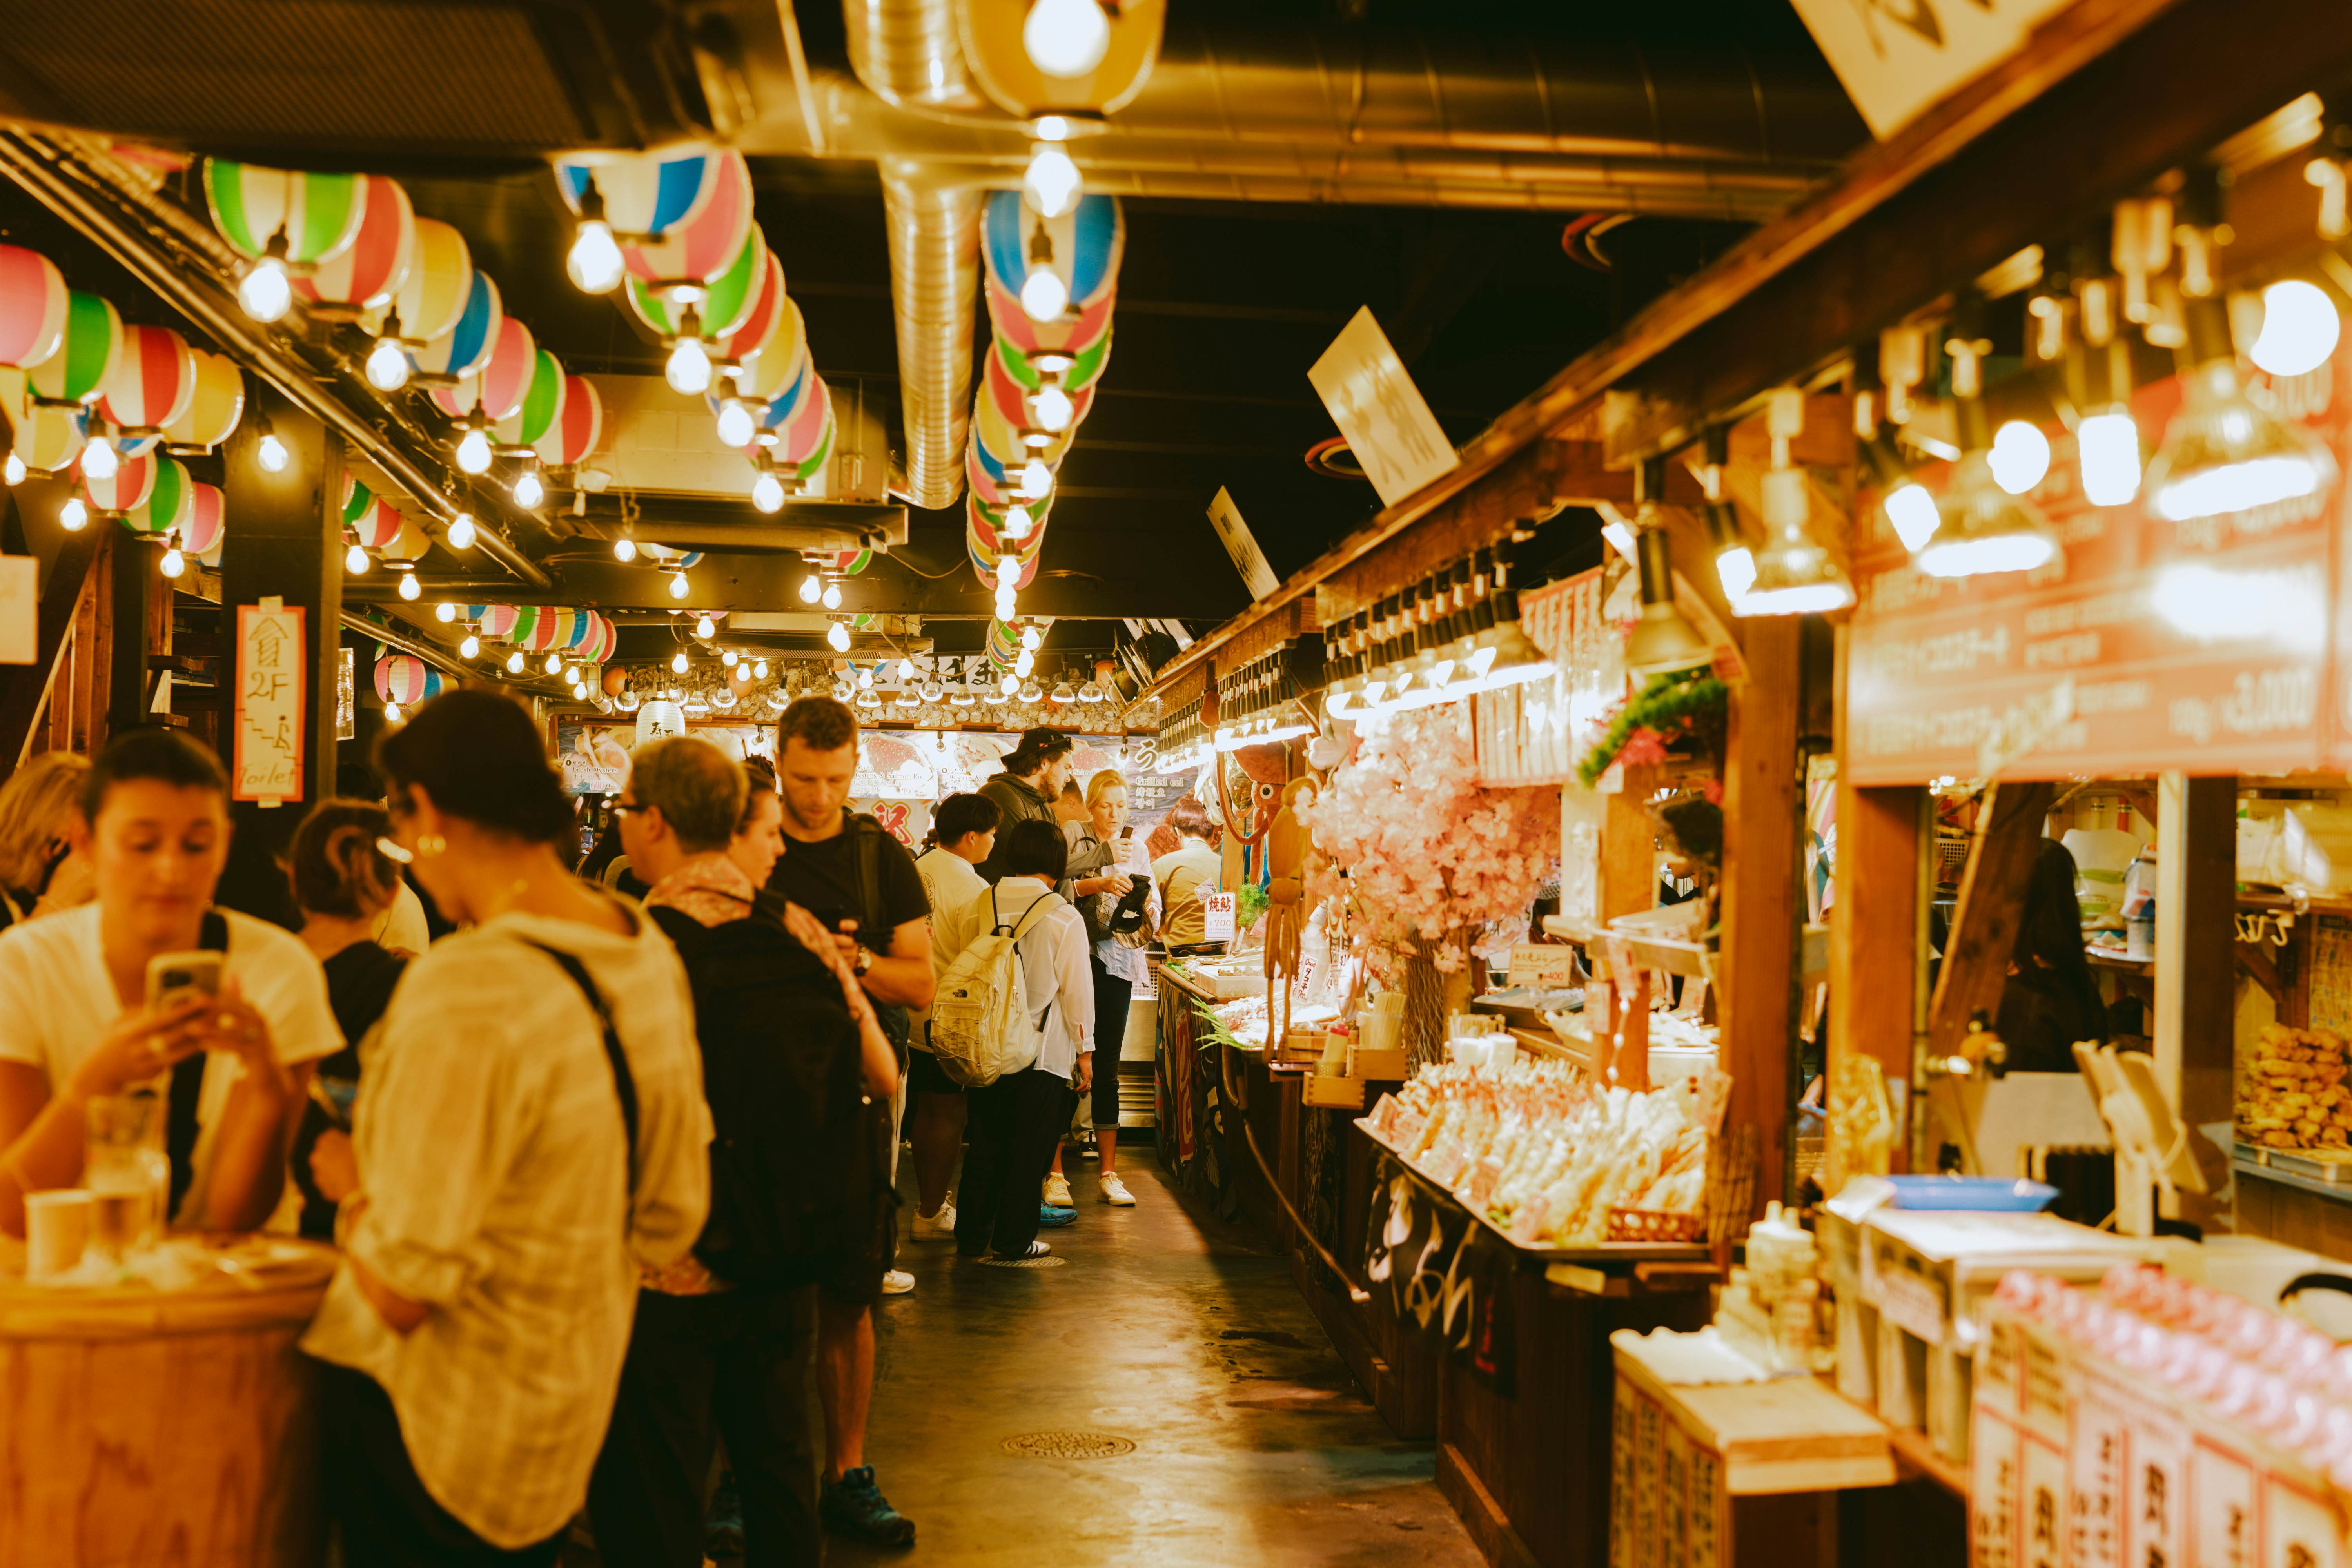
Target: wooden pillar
[(67, 566), (1762, 908), (2196, 932), (1875, 922), (135, 574), (285, 538), (2011, 826)]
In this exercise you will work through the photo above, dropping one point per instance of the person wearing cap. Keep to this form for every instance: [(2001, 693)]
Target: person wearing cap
[(1035, 773)]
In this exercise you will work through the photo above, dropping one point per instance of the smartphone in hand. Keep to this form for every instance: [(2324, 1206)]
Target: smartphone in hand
[(174, 978)]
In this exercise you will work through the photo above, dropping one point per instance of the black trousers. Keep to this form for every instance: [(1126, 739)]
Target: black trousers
[(1010, 1136), (387, 1518), (736, 1365), (1111, 995)]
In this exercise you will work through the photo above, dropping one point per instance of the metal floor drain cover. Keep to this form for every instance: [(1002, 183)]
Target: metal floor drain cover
[(1068, 1445), (1048, 1261)]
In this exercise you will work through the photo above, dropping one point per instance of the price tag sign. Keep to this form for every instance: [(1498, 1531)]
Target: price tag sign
[(1217, 910), (1545, 965)]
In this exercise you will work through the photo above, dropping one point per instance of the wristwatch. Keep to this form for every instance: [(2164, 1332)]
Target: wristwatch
[(862, 962)]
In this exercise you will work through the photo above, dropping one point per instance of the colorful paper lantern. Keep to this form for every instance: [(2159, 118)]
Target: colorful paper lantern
[(32, 307), (542, 405), (439, 284), (643, 194), (775, 367), (1085, 244), (467, 346), (216, 405), (403, 678), (703, 245), (498, 387), (318, 213), (1069, 333), (48, 437), (760, 328), (804, 427), (154, 380), (373, 521), (125, 490), (724, 309), (206, 523), (170, 503), (370, 270), (410, 544), (494, 620), (608, 639), (579, 426), (1087, 366), (84, 356)]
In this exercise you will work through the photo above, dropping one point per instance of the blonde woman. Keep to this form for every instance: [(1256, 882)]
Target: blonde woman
[(39, 872), (1097, 842)]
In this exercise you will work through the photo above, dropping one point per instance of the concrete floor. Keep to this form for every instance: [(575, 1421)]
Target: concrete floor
[(1252, 1444)]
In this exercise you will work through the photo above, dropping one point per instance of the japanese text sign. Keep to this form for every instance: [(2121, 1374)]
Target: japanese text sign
[(266, 763), (1387, 422)]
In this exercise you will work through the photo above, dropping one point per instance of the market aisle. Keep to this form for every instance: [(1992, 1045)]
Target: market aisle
[(1252, 1444)]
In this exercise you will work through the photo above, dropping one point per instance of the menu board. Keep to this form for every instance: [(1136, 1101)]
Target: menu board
[(2208, 647), (267, 756)]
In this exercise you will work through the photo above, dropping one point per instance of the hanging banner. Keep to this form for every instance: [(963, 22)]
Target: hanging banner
[(1896, 57), (267, 761), (1383, 413), (1534, 732)]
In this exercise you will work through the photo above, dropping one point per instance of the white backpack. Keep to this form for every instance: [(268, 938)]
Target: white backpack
[(980, 1028)]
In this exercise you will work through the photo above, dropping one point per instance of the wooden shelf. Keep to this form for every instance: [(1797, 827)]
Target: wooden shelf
[(2311, 904)]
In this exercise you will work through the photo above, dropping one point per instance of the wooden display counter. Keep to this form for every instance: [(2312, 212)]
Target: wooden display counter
[(1201, 1138), (140, 1427)]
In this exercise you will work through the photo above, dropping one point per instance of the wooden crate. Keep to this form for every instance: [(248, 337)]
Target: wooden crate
[(1328, 1089)]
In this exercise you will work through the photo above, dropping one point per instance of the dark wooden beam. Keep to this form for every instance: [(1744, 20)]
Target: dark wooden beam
[(24, 686), (1992, 895)]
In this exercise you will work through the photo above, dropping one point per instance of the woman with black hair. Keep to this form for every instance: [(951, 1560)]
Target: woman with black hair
[(2050, 1001), (531, 1131)]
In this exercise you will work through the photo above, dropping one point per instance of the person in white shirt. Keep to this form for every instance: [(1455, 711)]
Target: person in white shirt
[(1017, 1121), (963, 833), (531, 1132), (153, 824)]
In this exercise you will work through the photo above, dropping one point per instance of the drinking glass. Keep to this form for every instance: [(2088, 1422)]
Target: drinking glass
[(126, 1169)]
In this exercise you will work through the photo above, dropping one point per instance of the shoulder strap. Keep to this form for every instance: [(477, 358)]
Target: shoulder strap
[(187, 1095), (866, 834), (625, 1084)]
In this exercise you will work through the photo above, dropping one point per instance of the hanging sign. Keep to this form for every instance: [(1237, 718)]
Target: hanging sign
[(20, 609), (1895, 58), (1545, 965), (347, 706), (1242, 545), (1217, 915), (267, 764), (1387, 422)]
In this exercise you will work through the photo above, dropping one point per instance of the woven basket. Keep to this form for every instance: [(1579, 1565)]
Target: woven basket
[(1650, 1225)]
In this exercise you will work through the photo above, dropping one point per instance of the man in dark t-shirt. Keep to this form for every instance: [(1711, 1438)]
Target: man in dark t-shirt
[(835, 866)]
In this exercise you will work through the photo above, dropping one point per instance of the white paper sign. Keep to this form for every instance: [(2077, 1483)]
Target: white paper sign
[(1217, 912), (270, 693), (20, 609), (1896, 57), (1242, 545), (1545, 965), (1387, 422)]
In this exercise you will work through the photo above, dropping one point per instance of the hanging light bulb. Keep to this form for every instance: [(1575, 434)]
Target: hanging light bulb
[(387, 363), (833, 596), (579, 691), (677, 661), (2300, 328), (1065, 38), (594, 260), (461, 531), (99, 461), (837, 636), (1051, 409), (677, 588), (265, 292), (13, 469), (1051, 182), (514, 662), (471, 647), (2108, 446), (1009, 685), (811, 589), (727, 657), (572, 673), (689, 368), (355, 561), (2020, 456), (1006, 604), (173, 563), (736, 426), (392, 712), (768, 492), (270, 451), (1793, 576), (1044, 295), (866, 680), (625, 549), (743, 671), (1036, 480), (73, 515), (1017, 522), (408, 588), (1030, 639), (474, 450), (528, 489), (1025, 663), (705, 627), (554, 662), (760, 670), (445, 613)]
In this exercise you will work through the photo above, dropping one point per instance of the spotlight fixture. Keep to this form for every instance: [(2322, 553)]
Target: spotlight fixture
[(1734, 564), (1794, 576), (1031, 692), (462, 531), (2300, 328), (2020, 456), (1661, 640), (1981, 528), (1910, 510)]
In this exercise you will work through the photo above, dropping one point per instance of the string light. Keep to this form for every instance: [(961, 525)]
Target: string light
[(594, 260), (2020, 456), (99, 461), (677, 661), (1051, 409), (13, 469), (678, 586), (265, 292), (461, 531), (2300, 328), (1044, 295), (73, 515), (1030, 641), (768, 492), (833, 596), (625, 549), (688, 369), (837, 636), (270, 451), (554, 662), (514, 662), (811, 589), (1051, 182), (1017, 522), (471, 647), (355, 561), (1065, 38), (408, 588), (706, 627), (474, 450), (736, 426), (2107, 444), (392, 712), (1036, 479), (387, 362), (528, 489), (760, 670), (445, 613), (173, 563)]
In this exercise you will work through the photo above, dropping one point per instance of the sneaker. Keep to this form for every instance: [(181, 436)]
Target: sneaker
[(1049, 1214), (1114, 1191), (722, 1523), (939, 1226), (1057, 1189), (854, 1505), (896, 1282), (1036, 1250)]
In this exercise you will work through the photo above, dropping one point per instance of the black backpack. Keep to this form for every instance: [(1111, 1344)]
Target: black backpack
[(791, 1177)]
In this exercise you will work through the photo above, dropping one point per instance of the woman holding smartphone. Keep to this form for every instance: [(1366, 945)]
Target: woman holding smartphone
[(77, 1019)]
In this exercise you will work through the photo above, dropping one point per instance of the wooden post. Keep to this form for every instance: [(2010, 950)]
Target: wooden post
[(1762, 908), (129, 609), (1875, 922), (2196, 932), (1992, 895)]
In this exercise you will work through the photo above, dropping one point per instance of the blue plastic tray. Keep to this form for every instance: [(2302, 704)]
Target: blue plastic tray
[(1981, 1193)]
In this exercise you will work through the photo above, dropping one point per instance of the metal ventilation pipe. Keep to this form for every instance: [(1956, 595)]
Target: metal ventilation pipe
[(934, 284), (906, 53)]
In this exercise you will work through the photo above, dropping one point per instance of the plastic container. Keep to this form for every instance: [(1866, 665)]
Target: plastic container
[(1981, 1194)]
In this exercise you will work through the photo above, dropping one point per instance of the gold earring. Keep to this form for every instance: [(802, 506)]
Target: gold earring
[(429, 845)]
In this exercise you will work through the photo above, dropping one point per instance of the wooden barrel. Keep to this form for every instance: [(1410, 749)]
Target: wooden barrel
[(141, 1427)]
